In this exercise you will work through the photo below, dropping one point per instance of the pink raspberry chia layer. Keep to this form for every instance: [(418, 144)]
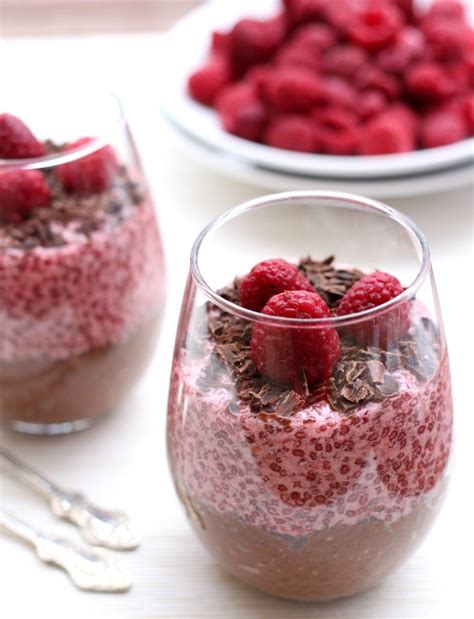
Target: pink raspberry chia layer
[(317, 468), (60, 301)]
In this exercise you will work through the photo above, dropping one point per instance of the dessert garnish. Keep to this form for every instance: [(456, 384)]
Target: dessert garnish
[(294, 355), (280, 370), (269, 278), (90, 174), (36, 205), (16, 140), (21, 192)]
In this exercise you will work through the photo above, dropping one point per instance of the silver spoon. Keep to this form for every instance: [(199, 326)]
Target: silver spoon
[(99, 526), (89, 568)]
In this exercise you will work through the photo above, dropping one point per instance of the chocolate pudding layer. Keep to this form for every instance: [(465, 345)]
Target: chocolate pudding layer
[(306, 493), (81, 292), (335, 562), (81, 387)]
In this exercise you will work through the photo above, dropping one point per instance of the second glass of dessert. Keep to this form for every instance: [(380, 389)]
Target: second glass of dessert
[(81, 262), (309, 422)]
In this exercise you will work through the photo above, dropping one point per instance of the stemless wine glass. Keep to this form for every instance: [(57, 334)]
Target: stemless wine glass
[(81, 264), (310, 454)]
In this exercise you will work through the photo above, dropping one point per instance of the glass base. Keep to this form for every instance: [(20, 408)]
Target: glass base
[(52, 429)]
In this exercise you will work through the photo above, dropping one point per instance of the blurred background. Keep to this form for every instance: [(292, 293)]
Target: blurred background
[(58, 17)]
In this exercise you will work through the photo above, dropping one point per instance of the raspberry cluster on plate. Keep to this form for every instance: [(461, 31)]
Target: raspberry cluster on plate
[(352, 77)]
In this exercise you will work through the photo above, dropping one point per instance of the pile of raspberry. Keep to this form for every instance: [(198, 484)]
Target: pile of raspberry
[(345, 77), (22, 190), (283, 353)]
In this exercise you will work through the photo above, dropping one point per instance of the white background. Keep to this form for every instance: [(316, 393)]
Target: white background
[(122, 461)]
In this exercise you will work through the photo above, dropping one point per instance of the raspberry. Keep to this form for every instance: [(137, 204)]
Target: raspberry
[(336, 130), (405, 115), (303, 11), (371, 291), (21, 191), (293, 89), (295, 54), (241, 111), (371, 77), (447, 9), (371, 103), (407, 48), (292, 132), (344, 60), (443, 127), (316, 38), (253, 41), (220, 43), (447, 38), (428, 80), (374, 24), (16, 140), (89, 174), (206, 83), (407, 8), (258, 76), (286, 355), (386, 134), (269, 278), (337, 92)]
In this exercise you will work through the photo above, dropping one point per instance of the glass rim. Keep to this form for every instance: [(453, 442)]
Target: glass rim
[(340, 200), (55, 159)]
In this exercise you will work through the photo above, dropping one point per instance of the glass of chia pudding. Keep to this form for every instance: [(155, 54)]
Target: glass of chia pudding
[(310, 414), (81, 263)]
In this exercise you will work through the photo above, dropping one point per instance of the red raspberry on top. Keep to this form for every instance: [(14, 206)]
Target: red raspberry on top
[(207, 82), (369, 292), (89, 174), (269, 278), (16, 140), (287, 355), (21, 191)]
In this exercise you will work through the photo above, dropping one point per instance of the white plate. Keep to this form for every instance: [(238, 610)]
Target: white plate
[(187, 46), (387, 188)]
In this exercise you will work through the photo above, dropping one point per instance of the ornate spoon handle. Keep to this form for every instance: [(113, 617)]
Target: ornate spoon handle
[(99, 526), (88, 568)]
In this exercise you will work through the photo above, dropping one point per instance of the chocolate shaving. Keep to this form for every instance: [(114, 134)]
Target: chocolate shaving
[(331, 283)]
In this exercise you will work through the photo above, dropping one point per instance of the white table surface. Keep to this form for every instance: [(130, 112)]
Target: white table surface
[(122, 461)]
